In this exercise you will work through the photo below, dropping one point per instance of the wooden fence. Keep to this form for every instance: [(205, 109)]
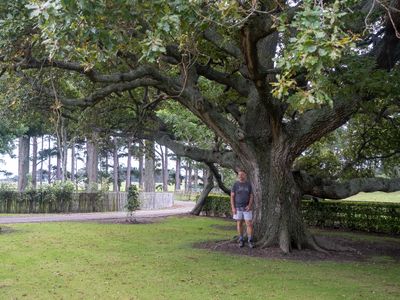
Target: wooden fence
[(80, 202)]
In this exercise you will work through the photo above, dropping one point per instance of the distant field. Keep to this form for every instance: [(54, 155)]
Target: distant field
[(377, 196)]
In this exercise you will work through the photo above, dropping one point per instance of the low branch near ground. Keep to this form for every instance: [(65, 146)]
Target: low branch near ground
[(218, 177), (204, 194)]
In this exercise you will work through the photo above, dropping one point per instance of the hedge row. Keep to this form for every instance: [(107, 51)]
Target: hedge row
[(365, 216)]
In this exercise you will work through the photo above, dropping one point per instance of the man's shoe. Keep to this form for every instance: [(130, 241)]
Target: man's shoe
[(241, 243), (251, 245)]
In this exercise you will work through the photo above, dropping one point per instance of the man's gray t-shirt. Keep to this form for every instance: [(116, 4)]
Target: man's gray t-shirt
[(242, 192)]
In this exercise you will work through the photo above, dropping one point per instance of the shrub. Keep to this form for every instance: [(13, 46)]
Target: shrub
[(218, 206), (133, 202), (365, 216), (49, 198)]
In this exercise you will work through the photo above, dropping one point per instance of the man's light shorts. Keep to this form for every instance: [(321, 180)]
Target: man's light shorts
[(242, 214)]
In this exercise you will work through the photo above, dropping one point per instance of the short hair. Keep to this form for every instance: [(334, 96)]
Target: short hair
[(241, 170)]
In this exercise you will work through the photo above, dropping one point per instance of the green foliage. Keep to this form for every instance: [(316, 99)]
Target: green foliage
[(57, 197), (371, 216), (217, 205), (133, 202), (318, 44), (185, 125), (365, 216)]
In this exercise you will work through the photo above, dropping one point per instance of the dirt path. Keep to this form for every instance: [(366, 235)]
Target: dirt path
[(179, 208)]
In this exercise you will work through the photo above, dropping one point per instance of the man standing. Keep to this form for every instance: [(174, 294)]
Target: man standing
[(242, 204)]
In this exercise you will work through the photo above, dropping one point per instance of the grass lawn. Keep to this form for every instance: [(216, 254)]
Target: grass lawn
[(157, 261), (376, 196)]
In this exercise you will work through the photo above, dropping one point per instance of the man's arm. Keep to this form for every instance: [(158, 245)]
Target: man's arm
[(233, 203)]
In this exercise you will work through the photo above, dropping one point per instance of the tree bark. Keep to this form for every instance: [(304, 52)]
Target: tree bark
[(178, 173), (34, 162), (149, 180), (196, 178), (73, 161), (277, 220), (49, 163), (116, 166), (141, 168), (23, 162), (190, 182), (64, 158), (186, 178), (128, 166), (58, 171), (92, 163), (41, 161), (165, 168)]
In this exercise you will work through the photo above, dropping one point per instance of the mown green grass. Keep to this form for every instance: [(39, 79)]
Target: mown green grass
[(376, 197), (157, 261)]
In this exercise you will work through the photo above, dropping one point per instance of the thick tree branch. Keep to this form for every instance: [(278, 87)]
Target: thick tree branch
[(316, 123), (92, 74), (322, 188), (238, 83), (226, 159), (96, 96), (218, 177), (215, 38)]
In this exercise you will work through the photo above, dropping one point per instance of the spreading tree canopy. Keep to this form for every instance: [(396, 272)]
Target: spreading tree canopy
[(272, 79)]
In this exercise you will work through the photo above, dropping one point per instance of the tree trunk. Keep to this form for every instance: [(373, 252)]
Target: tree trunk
[(49, 164), (165, 169), (73, 161), (91, 164), (41, 162), (34, 162), (116, 166), (141, 169), (178, 174), (277, 221), (205, 175), (149, 180), (64, 158), (196, 178), (107, 173), (203, 196), (23, 162), (58, 171), (190, 182), (128, 167)]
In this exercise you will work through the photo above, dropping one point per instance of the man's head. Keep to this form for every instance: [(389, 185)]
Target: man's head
[(242, 175)]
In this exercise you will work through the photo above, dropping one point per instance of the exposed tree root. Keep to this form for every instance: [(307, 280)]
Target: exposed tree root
[(225, 242), (330, 246)]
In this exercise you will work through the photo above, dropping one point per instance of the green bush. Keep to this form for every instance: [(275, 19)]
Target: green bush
[(47, 199), (218, 206), (133, 203), (365, 216)]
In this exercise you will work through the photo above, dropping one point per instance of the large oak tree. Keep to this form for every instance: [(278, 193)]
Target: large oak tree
[(270, 78)]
